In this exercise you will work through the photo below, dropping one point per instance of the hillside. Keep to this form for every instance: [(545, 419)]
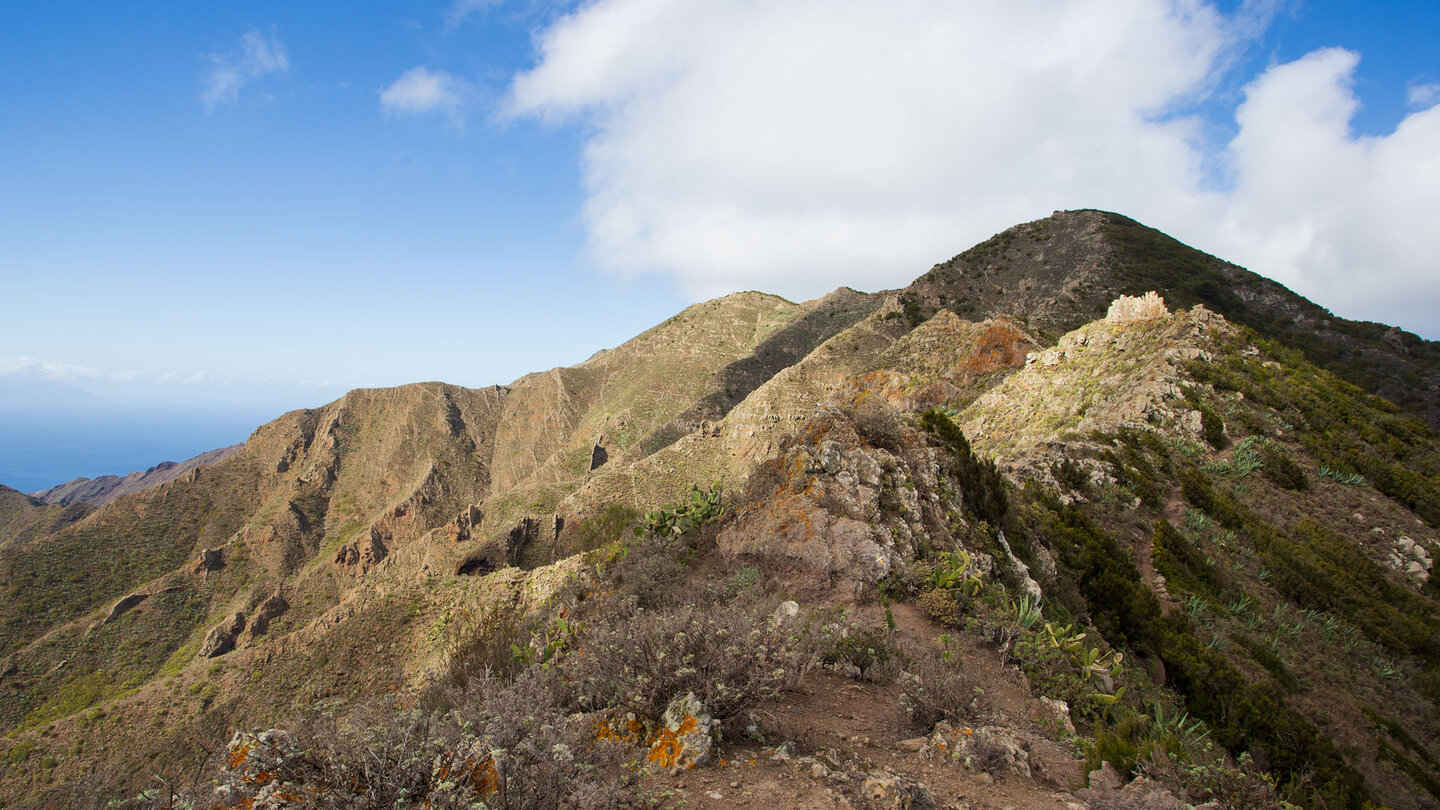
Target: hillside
[(904, 549), (1060, 272)]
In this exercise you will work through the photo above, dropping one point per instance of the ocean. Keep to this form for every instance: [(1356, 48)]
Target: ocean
[(39, 450)]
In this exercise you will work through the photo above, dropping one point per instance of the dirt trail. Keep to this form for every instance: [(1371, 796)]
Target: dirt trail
[(844, 732)]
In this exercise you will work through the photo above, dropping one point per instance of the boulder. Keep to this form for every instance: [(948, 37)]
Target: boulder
[(889, 790), (787, 615), (221, 638), (686, 738), (266, 612)]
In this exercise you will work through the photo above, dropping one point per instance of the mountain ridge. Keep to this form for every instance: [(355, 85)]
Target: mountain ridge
[(1149, 478), (103, 489)]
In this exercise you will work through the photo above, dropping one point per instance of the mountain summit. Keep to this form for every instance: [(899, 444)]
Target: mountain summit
[(1081, 516)]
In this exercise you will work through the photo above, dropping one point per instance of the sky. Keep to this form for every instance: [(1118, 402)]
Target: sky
[(223, 211)]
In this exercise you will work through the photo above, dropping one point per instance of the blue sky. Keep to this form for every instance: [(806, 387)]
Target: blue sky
[(243, 208)]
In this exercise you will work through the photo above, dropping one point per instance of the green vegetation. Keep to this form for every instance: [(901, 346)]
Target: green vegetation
[(981, 486), (1362, 353), (1342, 428)]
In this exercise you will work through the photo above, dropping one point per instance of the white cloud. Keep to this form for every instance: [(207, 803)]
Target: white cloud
[(1423, 96), (258, 54), (420, 90), (792, 145), (197, 377), (1348, 220), (46, 369), (462, 10)]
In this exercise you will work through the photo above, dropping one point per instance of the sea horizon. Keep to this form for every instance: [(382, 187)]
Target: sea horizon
[(40, 449)]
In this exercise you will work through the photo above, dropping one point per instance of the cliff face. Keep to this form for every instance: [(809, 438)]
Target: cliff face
[(1249, 535)]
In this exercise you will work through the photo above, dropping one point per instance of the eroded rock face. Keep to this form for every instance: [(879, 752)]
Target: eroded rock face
[(221, 638), (364, 553), (124, 605), (211, 559), (266, 612), (850, 499)]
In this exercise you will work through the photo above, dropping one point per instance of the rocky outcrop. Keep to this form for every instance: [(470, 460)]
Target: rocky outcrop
[(267, 611), (1145, 307), (222, 637), (462, 528), (1412, 559), (364, 553), (123, 606), (211, 559), (524, 540), (686, 738)]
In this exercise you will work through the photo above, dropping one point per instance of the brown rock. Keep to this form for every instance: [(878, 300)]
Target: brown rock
[(221, 638), (267, 611)]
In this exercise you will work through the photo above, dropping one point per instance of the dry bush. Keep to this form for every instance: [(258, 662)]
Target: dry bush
[(508, 745), (877, 423), (730, 656), (652, 573), (934, 688)]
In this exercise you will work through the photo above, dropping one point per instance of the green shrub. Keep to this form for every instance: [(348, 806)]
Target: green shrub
[(1212, 427), (941, 606), (872, 651), (1277, 466), (1181, 563), (981, 486), (614, 523)]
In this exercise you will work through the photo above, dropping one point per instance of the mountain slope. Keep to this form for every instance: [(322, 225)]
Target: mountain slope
[(1060, 272), (23, 517), (1151, 514)]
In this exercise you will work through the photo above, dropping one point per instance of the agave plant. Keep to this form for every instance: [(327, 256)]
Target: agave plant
[(1027, 611), (1182, 725)]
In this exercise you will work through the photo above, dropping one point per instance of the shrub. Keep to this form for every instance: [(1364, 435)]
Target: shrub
[(870, 650), (877, 422), (1071, 475), (1277, 466), (613, 524), (730, 656), (935, 687), (981, 485), (700, 507), (651, 571), (941, 606), (1212, 427), (508, 745)]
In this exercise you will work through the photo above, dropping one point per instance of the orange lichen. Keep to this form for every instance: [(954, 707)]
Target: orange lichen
[(484, 776), (668, 746), (626, 729), (239, 755)]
